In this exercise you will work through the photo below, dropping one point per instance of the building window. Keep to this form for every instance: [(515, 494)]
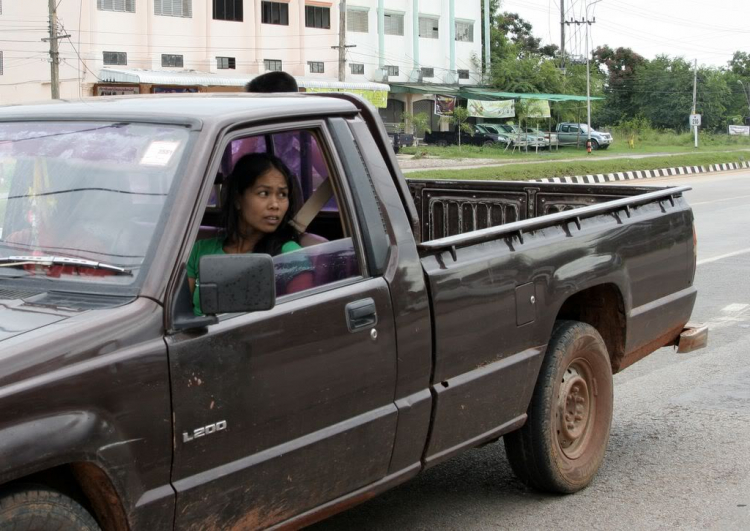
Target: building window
[(272, 65), (228, 10), (394, 24), (275, 13), (174, 8), (391, 70), (465, 31), (226, 63), (171, 60), (115, 58), (316, 67), (428, 27), (358, 69), (317, 17), (463, 74), (356, 20), (428, 72), (127, 6)]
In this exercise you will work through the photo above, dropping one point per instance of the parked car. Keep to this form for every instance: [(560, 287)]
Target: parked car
[(520, 136), (571, 133), (439, 316), (480, 136)]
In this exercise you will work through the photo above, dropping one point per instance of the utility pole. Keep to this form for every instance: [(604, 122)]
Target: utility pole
[(342, 40), (562, 35), (54, 54), (695, 98), (342, 46), (586, 22)]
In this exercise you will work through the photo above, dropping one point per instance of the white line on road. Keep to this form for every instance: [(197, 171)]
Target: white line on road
[(719, 200), (722, 256)]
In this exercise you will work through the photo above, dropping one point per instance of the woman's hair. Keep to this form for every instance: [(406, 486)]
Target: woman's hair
[(247, 170)]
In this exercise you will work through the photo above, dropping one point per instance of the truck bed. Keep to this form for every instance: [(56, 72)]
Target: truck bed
[(448, 208)]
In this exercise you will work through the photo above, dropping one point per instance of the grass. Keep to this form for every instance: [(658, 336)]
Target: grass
[(650, 142), (522, 172)]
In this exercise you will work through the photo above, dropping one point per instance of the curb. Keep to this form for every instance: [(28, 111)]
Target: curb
[(642, 174)]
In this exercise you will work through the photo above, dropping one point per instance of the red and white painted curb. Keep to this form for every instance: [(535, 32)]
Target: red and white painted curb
[(643, 174)]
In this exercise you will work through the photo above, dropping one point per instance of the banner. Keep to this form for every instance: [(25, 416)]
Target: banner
[(444, 105), (742, 130), (379, 98), (492, 109), (537, 109)]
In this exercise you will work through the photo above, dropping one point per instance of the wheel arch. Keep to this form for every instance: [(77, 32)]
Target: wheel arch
[(603, 307), (86, 483)]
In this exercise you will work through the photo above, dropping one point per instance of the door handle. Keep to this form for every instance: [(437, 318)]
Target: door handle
[(361, 314)]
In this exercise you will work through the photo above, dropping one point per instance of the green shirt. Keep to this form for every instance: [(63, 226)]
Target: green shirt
[(216, 246)]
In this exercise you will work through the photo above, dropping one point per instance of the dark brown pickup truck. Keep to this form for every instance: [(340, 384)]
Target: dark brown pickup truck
[(443, 315)]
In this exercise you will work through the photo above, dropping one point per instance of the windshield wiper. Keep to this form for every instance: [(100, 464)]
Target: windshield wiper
[(13, 261)]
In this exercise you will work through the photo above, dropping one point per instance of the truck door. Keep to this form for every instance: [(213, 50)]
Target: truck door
[(280, 411)]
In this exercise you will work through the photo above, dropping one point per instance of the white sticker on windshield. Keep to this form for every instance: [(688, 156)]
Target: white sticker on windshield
[(159, 153)]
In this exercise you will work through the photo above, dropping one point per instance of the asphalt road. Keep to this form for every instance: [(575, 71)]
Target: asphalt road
[(679, 452)]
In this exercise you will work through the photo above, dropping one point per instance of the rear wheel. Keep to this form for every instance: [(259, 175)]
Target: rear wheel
[(42, 510), (442, 143), (562, 444)]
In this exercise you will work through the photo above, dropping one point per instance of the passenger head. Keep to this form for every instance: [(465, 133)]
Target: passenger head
[(261, 198), (272, 82)]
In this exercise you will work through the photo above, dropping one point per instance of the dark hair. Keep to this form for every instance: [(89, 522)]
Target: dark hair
[(247, 170), (272, 82)]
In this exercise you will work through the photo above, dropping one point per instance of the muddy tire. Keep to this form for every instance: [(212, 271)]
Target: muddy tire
[(562, 444), (41, 509)]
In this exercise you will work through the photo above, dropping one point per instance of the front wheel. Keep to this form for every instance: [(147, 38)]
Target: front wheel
[(562, 444), (40, 509), (442, 143), (488, 143), (594, 145)]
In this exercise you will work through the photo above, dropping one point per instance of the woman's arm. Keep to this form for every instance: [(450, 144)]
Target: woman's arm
[(300, 282)]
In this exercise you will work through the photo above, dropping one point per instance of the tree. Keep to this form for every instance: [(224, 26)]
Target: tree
[(621, 66), (740, 64), (418, 123), (459, 117)]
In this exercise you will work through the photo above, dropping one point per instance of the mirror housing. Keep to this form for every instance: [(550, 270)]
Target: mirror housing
[(236, 283)]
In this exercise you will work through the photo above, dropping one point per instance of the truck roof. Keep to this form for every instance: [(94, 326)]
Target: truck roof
[(192, 109)]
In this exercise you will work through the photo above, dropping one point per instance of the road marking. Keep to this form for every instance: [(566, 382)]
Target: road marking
[(734, 308), (719, 200), (733, 314), (722, 257)]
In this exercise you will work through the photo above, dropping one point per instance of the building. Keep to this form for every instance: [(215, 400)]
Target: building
[(136, 46)]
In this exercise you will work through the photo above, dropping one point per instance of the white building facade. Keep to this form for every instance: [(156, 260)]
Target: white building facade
[(230, 41)]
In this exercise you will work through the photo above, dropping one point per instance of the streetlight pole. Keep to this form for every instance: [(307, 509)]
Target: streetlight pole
[(747, 96), (588, 77)]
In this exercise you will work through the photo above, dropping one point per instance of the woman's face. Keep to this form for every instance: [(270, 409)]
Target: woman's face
[(263, 205)]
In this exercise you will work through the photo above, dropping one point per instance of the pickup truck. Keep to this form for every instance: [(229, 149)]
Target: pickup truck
[(572, 133), (444, 315)]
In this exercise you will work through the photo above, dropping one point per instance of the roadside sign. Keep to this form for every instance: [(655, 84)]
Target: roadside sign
[(695, 120)]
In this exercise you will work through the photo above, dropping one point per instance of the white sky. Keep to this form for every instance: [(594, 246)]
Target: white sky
[(709, 31)]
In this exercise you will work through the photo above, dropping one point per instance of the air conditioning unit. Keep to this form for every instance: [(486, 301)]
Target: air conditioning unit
[(416, 76), (380, 75)]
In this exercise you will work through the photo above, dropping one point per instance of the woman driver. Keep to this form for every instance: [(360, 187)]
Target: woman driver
[(258, 206)]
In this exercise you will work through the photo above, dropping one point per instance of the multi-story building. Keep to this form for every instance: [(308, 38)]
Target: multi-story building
[(111, 46)]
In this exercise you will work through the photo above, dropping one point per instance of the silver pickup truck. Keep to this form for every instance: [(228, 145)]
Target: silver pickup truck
[(570, 133)]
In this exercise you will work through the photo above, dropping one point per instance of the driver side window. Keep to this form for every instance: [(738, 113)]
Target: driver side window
[(313, 245)]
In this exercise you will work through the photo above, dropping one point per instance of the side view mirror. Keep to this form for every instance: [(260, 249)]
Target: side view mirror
[(237, 283)]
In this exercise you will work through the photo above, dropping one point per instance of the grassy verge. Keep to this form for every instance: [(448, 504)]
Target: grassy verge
[(522, 172), (656, 143)]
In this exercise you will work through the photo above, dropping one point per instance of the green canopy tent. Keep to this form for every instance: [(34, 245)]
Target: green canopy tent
[(485, 93)]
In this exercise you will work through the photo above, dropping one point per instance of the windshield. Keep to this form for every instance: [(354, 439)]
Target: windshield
[(90, 191)]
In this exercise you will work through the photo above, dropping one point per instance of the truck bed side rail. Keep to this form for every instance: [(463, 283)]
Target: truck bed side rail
[(518, 228)]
